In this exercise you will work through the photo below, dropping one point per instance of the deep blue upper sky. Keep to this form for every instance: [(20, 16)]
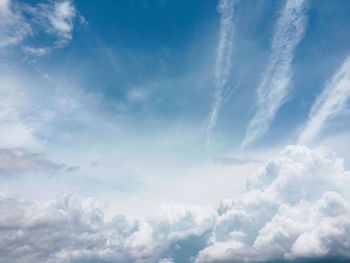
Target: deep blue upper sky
[(167, 49)]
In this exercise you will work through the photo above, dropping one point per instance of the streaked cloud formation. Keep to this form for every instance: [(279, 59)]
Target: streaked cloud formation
[(279, 217), (223, 65), (116, 112), (19, 21), (13, 26), (275, 82), (331, 102)]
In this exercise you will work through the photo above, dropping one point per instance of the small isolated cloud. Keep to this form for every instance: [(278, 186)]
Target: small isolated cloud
[(15, 162), (292, 210)]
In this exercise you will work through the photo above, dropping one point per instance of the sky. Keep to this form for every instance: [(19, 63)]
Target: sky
[(174, 131)]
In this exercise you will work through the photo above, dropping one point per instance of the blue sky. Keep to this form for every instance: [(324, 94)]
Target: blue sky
[(141, 103)]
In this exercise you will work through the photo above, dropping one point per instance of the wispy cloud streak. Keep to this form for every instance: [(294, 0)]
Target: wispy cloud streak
[(223, 64), (275, 83), (331, 102)]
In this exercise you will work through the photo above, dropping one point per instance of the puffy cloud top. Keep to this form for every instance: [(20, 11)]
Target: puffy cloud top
[(292, 210)]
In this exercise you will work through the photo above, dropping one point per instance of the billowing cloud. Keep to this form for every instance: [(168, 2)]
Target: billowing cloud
[(276, 79), (69, 231), (331, 102), (292, 210)]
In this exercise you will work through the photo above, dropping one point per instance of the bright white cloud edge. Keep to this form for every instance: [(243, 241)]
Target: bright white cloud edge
[(294, 208)]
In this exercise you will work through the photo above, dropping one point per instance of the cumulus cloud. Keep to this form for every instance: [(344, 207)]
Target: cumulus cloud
[(331, 102), (66, 230), (275, 82), (292, 210)]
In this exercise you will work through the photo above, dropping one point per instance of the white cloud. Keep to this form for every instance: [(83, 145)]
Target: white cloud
[(275, 82), (227, 10), (331, 102), (292, 210), (13, 26), (69, 231), (60, 16), (18, 21)]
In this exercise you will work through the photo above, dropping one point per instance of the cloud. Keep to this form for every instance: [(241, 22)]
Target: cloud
[(331, 102), (58, 19), (227, 10), (292, 210), (13, 26), (37, 51), (66, 230), (19, 21), (275, 82), (16, 161)]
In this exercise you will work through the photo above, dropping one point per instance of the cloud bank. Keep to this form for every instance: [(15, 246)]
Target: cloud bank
[(331, 102), (275, 82), (227, 10), (293, 209)]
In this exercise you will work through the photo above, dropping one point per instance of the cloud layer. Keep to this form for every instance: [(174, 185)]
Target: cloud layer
[(292, 209), (275, 82)]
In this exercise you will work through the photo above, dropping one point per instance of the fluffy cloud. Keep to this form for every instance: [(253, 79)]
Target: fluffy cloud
[(69, 231), (292, 210)]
